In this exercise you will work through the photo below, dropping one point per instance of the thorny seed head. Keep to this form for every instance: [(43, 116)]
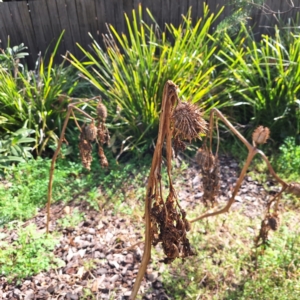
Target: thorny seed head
[(101, 111), (260, 135), (188, 121), (90, 132)]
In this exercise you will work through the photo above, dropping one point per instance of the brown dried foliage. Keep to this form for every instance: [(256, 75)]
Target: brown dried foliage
[(166, 221), (102, 133), (85, 149), (90, 131), (270, 222), (210, 171), (169, 226)]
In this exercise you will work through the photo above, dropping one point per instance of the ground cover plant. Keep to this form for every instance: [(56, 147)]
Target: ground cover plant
[(29, 254)]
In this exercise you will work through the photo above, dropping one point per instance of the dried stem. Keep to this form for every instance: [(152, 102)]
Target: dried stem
[(168, 101), (61, 139)]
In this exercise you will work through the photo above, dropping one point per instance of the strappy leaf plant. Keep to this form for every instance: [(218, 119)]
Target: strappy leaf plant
[(39, 98), (265, 76), (131, 71)]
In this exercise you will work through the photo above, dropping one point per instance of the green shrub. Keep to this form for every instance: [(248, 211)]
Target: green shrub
[(131, 72), (12, 148), (26, 187)]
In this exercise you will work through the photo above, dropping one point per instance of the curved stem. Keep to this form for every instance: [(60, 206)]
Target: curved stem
[(53, 161)]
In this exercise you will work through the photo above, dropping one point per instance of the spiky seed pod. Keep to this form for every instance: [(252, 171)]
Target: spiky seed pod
[(101, 111), (188, 121), (294, 188), (90, 132), (103, 159), (85, 150), (260, 135)]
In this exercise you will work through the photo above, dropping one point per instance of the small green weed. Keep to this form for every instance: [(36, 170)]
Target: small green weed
[(71, 220), (30, 254)]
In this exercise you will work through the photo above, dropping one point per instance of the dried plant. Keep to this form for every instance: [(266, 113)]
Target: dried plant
[(88, 134), (85, 149), (210, 171), (166, 221)]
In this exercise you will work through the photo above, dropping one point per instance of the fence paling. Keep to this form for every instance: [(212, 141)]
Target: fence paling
[(38, 23)]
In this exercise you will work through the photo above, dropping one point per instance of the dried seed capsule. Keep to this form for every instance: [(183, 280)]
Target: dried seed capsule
[(103, 159), (260, 135), (85, 149), (273, 222), (90, 132), (101, 111)]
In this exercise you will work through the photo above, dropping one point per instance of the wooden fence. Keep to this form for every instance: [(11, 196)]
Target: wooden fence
[(38, 23)]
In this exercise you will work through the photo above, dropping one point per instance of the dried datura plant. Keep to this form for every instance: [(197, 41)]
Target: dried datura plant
[(89, 133), (165, 220)]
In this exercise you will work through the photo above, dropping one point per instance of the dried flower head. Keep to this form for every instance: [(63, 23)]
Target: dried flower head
[(260, 135), (102, 133), (102, 157), (90, 132), (101, 111), (85, 150), (188, 121), (273, 221)]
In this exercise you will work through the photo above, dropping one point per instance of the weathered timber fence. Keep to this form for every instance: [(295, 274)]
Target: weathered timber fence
[(38, 23)]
